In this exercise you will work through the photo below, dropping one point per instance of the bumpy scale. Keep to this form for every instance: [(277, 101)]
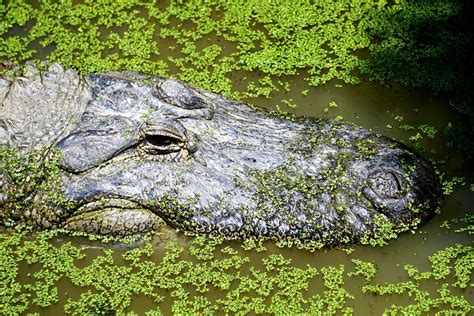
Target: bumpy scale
[(139, 151)]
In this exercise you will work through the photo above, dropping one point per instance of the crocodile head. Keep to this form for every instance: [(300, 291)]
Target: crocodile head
[(148, 151)]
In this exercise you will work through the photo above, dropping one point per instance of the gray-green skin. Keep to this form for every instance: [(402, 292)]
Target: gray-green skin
[(140, 152)]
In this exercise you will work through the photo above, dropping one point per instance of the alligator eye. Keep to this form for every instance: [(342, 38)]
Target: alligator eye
[(164, 140), (160, 141), (161, 144), (387, 184)]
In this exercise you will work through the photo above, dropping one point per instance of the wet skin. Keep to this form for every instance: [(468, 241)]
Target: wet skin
[(140, 152)]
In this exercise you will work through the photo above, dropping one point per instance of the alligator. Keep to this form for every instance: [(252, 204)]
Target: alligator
[(141, 152)]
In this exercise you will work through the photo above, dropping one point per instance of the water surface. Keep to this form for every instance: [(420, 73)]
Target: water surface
[(374, 107)]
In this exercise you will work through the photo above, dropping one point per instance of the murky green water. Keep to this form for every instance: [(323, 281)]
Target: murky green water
[(395, 111), (371, 106)]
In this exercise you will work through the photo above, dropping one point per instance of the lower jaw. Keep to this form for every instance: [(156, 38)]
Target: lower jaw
[(115, 221)]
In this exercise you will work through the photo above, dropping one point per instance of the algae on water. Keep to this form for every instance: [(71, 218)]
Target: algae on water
[(209, 45), (215, 277)]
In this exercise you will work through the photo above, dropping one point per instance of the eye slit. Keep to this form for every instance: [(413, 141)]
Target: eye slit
[(161, 140)]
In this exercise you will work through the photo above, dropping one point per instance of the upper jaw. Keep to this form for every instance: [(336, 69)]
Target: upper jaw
[(104, 203)]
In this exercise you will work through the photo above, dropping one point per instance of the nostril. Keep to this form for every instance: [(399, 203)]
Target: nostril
[(386, 184)]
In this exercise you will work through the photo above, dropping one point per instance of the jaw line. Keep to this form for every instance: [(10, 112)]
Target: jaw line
[(107, 203)]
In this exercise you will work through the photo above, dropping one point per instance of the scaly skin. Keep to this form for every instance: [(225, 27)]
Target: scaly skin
[(139, 151)]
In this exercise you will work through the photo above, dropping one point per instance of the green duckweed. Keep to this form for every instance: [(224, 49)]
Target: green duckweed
[(207, 44), (181, 279)]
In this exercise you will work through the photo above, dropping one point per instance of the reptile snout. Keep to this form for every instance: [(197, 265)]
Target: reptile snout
[(387, 184)]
